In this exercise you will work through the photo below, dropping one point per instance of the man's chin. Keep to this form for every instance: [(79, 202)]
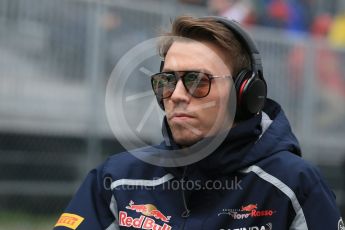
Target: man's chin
[(187, 140), (186, 136)]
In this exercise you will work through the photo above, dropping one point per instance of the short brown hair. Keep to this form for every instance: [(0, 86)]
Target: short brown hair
[(208, 29)]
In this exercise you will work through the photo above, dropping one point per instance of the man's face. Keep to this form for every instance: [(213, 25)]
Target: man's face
[(191, 119)]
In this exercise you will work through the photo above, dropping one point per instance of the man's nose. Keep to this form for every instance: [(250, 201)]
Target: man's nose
[(180, 93)]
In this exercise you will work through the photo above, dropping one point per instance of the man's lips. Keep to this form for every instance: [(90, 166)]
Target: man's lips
[(181, 116)]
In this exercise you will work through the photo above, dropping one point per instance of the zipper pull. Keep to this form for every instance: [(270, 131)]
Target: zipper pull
[(185, 213)]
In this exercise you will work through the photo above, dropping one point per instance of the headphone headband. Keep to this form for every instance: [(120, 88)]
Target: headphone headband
[(245, 40)]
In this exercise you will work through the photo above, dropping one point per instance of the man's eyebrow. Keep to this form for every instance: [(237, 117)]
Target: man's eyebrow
[(203, 71), (188, 69), (168, 70)]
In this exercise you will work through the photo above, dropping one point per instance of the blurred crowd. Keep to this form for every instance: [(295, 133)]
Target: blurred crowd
[(296, 16), (300, 19)]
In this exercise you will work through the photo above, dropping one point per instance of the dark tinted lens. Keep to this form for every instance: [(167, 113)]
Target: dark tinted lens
[(163, 84), (197, 84)]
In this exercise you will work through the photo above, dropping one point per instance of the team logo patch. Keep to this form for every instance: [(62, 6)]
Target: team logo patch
[(341, 224), (69, 220), (247, 211), (150, 214)]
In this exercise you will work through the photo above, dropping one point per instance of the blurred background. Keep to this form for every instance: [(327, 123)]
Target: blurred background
[(56, 57)]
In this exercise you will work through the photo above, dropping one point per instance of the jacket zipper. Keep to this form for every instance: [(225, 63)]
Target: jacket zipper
[(186, 212)]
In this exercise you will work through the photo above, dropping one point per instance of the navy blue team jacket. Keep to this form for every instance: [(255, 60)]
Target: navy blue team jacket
[(255, 180)]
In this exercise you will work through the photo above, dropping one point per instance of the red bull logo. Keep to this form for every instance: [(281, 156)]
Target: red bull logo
[(249, 207), (158, 215), (144, 221)]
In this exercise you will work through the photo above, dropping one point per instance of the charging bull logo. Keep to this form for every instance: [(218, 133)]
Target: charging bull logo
[(247, 211), (249, 207), (144, 221)]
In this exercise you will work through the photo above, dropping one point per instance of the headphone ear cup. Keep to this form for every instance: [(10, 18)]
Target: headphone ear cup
[(251, 94), (254, 95), (240, 83), (239, 79)]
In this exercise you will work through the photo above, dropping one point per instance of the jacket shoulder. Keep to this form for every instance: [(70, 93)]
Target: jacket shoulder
[(126, 165), (292, 170), (286, 165)]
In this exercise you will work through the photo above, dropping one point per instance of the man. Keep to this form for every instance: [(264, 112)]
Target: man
[(254, 179)]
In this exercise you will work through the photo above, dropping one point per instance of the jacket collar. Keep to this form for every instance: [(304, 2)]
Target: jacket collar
[(245, 144), (227, 156)]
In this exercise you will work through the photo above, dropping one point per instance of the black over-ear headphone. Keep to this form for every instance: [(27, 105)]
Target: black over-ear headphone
[(250, 85)]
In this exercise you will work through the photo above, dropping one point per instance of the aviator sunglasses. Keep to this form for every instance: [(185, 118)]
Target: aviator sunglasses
[(197, 84)]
